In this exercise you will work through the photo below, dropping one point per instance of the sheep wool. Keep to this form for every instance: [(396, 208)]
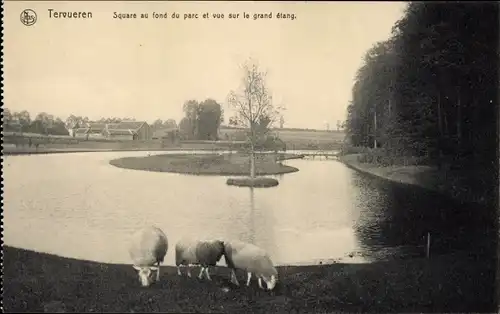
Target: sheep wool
[(147, 251), (189, 252), (253, 260)]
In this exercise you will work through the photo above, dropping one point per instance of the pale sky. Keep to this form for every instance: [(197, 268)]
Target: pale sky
[(147, 68)]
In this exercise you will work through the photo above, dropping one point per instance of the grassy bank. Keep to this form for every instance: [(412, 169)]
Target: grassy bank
[(455, 283), (223, 164), (459, 185)]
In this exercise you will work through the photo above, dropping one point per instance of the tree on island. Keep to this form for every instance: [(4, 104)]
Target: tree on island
[(254, 107)]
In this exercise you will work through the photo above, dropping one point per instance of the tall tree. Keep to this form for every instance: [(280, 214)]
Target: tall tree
[(370, 107), (6, 118), (209, 119), (73, 122), (170, 123), (191, 110), (253, 106), (185, 128), (23, 118), (157, 124), (44, 122)]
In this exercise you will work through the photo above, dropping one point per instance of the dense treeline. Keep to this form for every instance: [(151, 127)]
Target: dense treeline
[(430, 91), (45, 123)]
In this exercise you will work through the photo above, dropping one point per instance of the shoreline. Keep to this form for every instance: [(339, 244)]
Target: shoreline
[(96, 150), (423, 177), (457, 282), (209, 165)]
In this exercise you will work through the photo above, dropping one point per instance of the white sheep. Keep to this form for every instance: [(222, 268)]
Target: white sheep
[(190, 252), (252, 259), (147, 250)]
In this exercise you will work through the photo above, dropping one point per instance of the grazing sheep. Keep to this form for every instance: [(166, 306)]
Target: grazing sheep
[(189, 252), (252, 259), (148, 248)]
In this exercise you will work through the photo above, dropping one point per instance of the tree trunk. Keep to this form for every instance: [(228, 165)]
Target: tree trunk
[(366, 136), (252, 155), (440, 123), (252, 164), (375, 129), (459, 119), (446, 129), (440, 127)]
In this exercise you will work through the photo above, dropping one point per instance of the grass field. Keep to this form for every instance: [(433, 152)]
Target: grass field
[(310, 135), (224, 164), (34, 282), (297, 139)]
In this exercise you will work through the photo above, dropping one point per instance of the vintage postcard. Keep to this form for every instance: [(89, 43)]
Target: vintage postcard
[(257, 157)]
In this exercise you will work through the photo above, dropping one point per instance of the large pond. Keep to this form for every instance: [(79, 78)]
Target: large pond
[(78, 205)]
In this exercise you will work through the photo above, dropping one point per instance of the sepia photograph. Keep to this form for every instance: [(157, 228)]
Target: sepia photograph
[(250, 156)]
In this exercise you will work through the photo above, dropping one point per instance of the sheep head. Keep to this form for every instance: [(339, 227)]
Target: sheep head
[(146, 274), (270, 282)]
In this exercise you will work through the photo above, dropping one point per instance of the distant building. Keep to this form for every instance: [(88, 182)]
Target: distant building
[(129, 130), (125, 130), (167, 135), (96, 130), (80, 132)]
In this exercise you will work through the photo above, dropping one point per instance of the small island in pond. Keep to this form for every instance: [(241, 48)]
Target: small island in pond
[(236, 164), (258, 182)]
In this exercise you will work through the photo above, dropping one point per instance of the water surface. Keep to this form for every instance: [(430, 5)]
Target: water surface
[(78, 205)]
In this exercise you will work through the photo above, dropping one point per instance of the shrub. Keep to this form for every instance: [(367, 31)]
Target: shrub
[(256, 182)]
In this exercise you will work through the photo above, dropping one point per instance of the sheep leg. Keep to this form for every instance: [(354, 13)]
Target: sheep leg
[(234, 279), (189, 271), (200, 276), (207, 273), (158, 273), (249, 276), (260, 283), (179, 271)]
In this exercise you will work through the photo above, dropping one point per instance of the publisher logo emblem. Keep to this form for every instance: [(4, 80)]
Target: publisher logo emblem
[(28, 17)]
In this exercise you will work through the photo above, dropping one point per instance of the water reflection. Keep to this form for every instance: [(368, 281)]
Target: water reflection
[(397, 218), (251, 236)]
